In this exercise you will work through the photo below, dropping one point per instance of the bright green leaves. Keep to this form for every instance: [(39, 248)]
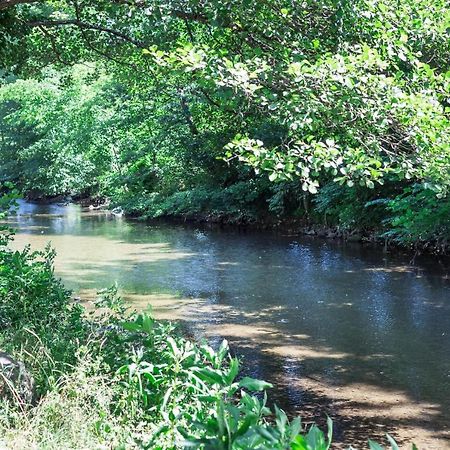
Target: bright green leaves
[(419, 215), (319, 92), (254, 385), (189, 393), (241, 76), (348, 119), (309, 161), (142, 323), (54, 140)]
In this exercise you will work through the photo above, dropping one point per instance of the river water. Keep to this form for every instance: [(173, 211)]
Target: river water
[(342, 329)]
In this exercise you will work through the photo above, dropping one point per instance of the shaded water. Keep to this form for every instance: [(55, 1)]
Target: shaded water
[(343, 329)]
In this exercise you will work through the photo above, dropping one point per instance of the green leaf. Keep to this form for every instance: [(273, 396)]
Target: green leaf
[(391, 440), (211, 376), (374, 446), (131, 326), (253, 384), (315, 438), (280, 419), (299, 443), (329, 431), (233, 371)]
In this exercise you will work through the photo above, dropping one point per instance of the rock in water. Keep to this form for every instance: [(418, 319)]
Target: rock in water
[(15, 381)]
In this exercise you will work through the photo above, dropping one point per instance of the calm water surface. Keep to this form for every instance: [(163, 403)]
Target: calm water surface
[(342, 329)]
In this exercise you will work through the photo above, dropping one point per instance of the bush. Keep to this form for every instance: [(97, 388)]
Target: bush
[(419, 216), (37, 317), (243, 200)]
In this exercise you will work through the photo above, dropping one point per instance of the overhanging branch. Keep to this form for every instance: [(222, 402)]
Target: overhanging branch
[(86, 26)]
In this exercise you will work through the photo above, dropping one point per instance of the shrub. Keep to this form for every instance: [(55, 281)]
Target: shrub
[(420, 216)]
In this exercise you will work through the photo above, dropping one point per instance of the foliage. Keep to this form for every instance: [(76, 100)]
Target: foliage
[(8, 195), (164, 106), (319, 93), (49, 133), (35, 314), (189, 394), (418, 216), (242, 201), (323, 110)]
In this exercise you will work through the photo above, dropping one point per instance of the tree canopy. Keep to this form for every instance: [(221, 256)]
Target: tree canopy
[(162, 104)]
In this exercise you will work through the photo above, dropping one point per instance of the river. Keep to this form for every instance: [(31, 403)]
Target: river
[(342, 329)]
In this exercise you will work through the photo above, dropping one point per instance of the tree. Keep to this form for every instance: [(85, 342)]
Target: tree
[(311, 93)]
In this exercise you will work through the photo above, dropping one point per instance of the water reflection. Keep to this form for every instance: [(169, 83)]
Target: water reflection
[(343, 329)]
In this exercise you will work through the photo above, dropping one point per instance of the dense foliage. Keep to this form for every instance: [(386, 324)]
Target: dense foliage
[(340, 107)]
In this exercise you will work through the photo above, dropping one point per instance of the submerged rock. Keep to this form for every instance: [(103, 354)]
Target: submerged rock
[(16, 383)]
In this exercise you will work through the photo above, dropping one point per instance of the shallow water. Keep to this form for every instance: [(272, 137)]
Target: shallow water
[(343, 329)]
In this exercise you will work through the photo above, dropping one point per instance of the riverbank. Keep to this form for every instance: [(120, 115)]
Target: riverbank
[(301, 227), (263, 221)]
